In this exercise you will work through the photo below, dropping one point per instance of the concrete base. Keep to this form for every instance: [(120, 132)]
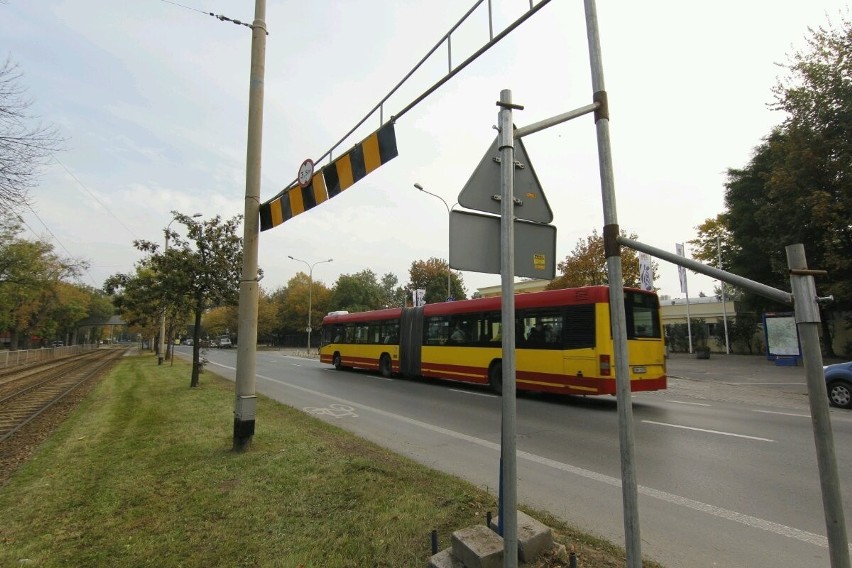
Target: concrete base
[(481, 547), (478, 547), (445, 559), (534, 537)]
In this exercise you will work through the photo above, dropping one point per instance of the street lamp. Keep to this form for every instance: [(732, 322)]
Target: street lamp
[(449, 272), (162, 349), (310, 290)]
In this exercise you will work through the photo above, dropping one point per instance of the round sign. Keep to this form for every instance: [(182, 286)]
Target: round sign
[(306, 172)]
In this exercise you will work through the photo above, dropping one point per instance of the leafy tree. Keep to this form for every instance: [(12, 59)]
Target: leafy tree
[(133, 297), (199, 272), (266, 317), (586, 265), (357, 292), (293, 309), (24, 147), (797, 188), (394, 294), (32, 278), (431, 275)]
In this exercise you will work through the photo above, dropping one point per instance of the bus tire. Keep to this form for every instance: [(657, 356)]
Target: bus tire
[(495, 377), (385, 366), (336, 361)]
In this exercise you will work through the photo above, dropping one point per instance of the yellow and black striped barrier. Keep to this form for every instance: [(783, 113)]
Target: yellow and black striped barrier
[(376, 149)]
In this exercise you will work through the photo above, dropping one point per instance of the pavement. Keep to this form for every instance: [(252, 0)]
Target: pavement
[(738, 378)]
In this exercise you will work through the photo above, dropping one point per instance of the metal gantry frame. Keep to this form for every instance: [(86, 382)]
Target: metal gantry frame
[(807, 312)]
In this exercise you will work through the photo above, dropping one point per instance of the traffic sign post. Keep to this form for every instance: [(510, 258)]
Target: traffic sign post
[(508, 442)]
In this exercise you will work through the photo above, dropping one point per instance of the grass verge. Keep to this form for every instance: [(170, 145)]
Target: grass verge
[(142, 474)]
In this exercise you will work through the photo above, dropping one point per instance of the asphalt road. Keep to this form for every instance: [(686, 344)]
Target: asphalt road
[(725, 457)]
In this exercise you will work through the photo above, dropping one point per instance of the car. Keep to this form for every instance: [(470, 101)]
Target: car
[(58, 344), (224, 342), (838, 382)]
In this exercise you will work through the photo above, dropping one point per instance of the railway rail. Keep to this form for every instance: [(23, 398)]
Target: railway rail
[(28, 392)]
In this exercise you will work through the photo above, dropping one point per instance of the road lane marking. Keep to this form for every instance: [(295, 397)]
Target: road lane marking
[(719, 512), (771, 383), (475, 393), (708, 431), (783, 413), (689, 403)]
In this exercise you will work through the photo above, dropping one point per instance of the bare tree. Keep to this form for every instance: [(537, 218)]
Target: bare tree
[(24, 144)]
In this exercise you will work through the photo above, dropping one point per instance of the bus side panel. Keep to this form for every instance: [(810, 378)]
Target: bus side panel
[(465, 364)]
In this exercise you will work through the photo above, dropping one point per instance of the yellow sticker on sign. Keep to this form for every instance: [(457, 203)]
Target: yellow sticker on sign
[(538, 261)]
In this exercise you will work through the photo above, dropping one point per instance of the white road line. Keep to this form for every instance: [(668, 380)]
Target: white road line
[(747, 520), (708, 431), (800, 383), (475, 393), (689, 403), (783, 413)]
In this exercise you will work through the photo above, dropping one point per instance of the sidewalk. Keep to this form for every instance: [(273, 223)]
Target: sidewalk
[(737, 378)]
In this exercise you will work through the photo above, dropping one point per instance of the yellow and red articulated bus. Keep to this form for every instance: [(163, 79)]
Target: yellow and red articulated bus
[(563, 341)]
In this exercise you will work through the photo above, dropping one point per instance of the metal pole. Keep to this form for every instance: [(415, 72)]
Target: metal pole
[(629, 488), (245, 398), (310, 289), (162, 345), (722, 284), (310, 300), (807, 321), (449, 272), (508, 449)]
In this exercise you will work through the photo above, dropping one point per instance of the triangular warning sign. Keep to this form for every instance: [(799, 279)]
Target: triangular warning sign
[(482, 190)]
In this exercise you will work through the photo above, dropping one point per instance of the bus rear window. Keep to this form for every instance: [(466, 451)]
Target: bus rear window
[(643, 316)]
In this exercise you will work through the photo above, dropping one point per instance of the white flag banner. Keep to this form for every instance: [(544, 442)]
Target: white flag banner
[(419, 297), (646, 277), (681, 271)]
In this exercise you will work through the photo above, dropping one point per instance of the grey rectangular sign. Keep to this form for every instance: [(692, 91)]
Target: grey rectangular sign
[(475, 245)]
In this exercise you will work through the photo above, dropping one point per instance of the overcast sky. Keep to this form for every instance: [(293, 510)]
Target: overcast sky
[(153, 97)]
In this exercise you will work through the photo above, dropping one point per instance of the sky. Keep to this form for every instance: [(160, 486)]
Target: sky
[(152, 99)]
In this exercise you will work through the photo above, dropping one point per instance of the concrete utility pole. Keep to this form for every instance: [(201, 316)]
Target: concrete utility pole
[(246, 399)]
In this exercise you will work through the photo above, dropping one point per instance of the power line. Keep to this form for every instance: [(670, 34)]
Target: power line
[(219, 17), (107, 209), (55, 238)]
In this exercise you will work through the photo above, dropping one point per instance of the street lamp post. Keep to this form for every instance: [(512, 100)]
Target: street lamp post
[(449, 272), (162, 350), (310, 290)]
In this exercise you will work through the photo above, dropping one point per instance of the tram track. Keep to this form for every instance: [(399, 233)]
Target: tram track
[(36, 391)]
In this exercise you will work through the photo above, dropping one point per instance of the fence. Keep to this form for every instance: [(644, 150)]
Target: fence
[(23, 356)]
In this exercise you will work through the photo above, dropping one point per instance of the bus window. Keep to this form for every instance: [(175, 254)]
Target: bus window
[(436, 330), (542, 329), (643, 316)]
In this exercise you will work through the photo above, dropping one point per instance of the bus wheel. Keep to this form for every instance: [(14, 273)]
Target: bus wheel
[(385, 366), (336, 361), (495, 378)]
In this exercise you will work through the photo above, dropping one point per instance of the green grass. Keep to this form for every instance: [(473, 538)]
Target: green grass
[(142, 474)]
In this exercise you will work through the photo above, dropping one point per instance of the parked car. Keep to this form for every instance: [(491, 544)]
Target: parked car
[(223, 342), (838, 381), (58, 344)]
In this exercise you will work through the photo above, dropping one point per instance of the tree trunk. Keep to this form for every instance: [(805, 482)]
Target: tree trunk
[(827, 338), (196, 348)]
